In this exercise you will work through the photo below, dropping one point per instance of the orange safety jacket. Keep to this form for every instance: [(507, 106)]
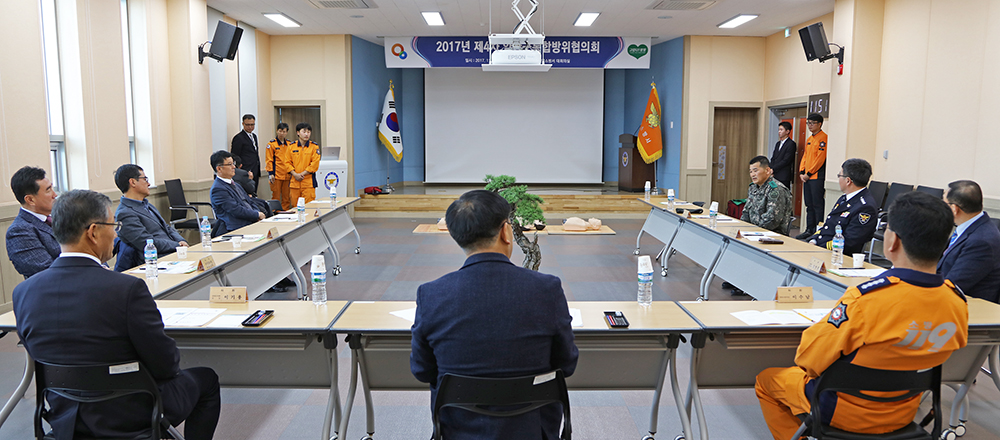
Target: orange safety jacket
[(304, 158), (278, 164), (814, 157)]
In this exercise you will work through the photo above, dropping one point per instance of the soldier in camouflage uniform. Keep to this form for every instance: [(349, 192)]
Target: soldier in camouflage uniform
[(769, 203)]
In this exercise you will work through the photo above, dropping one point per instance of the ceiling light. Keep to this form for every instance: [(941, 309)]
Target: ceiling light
[(282, 19), (664, 17), (433, 18), (586, 18), (737, 20)]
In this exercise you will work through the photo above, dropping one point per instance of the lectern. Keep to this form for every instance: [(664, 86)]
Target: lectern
[(633, 172)]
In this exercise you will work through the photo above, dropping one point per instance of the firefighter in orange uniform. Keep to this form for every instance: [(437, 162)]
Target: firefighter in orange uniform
[(908, 318), (812, 173), (278, 166), (304, 156)]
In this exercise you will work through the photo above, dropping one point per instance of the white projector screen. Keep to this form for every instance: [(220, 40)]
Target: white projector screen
[(538, 127)]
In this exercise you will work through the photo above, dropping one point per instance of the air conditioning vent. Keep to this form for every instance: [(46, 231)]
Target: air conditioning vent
[(342, 4), (681, 5)]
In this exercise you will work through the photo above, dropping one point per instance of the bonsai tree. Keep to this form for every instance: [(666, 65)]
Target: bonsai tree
[(525, 211)]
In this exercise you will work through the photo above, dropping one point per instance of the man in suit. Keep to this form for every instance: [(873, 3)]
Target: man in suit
[(140, 220), (972, 260), (491, 319), (245, 146), (231, 203), (31, 246), (783, 158), (855, 211), (79, 313)]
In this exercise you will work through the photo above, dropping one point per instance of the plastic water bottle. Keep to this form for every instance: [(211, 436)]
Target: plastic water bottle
[(150, 252), (646, 196), (670, 199), (713, 215), (333, 196), (318, 271), (300, 208), (645, 281), (206, 233), (838, 248)]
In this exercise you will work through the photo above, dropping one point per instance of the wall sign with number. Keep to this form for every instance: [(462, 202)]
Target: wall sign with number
[(820, 104)]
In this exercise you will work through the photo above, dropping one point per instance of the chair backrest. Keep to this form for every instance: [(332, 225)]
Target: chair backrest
[(128, 256), (175, 195), (895, 190), (472, 393), (68, 381), (878, 190), (938, 193), (854, 380)]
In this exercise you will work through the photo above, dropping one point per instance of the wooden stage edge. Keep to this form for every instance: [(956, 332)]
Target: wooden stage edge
[(601, 206)]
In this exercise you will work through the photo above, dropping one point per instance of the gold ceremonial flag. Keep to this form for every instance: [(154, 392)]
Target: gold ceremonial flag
[(650, 134)]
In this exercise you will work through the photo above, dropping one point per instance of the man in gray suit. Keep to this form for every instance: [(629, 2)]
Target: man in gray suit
[(140, 220)]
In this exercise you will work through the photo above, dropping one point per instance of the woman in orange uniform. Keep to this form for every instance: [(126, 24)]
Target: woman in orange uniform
[(304, 156), (278, 166)]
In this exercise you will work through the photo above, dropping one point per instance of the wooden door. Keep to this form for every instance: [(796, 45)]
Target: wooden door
[(734, 143), (293, 115)]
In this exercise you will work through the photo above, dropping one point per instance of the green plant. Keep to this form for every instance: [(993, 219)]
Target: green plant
[(526, 210)]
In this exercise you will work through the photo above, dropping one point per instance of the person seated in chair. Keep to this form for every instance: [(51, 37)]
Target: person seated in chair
[(972, 260), (79, 313), (855, 212), (491, 319), (31, 246), (907, 318), (233, 207), (140, 220), (769, 203)]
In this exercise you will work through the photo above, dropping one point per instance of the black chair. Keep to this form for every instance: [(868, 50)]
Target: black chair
[(275, 205), (938, 193), (128, 256), (80, 383), (179, 207), (895, 190), (855, 380), (878, 190), (472, 393)]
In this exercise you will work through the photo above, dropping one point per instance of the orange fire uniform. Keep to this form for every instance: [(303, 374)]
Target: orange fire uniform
[(278, 164), (814, 156), (894, 322), (304, 159)]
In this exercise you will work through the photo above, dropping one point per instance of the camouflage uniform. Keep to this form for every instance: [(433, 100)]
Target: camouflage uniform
[(768, 206)]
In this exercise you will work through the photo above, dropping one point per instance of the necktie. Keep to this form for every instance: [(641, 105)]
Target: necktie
[(954, 236), (253, 138), (48, 220)]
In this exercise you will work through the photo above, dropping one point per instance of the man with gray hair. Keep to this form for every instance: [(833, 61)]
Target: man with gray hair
[(76, 312)]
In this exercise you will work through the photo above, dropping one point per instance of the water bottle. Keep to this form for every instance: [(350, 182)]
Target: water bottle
[(645, 281), (670, 199), (150, 252), (838, 248), (713, 215), (333, 196), (646, 196), (206, 233), (300, 208), (318, 271)]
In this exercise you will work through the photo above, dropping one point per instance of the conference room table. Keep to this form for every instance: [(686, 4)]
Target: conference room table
[(754, 267), (635, 358), (294, 349), (729, 353)]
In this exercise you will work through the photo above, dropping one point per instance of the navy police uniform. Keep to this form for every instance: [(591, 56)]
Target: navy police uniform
[(857, 217)]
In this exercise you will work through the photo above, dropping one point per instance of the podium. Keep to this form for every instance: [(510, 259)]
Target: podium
[(633, 172)]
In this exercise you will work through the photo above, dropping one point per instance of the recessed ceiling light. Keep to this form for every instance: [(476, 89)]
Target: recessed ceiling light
[(433, 18), (586, 18), (664, 17), (282, 19), (357, 16), (737, 20)]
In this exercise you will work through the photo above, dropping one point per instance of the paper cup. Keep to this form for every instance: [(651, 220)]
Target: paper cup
[(859, 260), (182, 252), (237, 242)]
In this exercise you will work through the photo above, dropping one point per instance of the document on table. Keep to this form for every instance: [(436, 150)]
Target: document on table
[(228, 321), (577, 317), (170, 267), (864, 273), (813, 314), (188, 317), (771, 317), (283, 218), (247, 238), (720, 218), (411, 315), (757, 236)]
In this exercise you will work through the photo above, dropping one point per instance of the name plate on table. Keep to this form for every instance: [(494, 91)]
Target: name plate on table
[(227, 294), (794, 295), (735, 233), (817, 265), (206, 263), (272, 233)]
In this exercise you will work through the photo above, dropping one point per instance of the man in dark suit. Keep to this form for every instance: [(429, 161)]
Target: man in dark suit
[(31, 246), (245, 146), (491, 319), (972, 260), (79, 313), (783, 158), (855, 211), (140, 220), (231, 203)]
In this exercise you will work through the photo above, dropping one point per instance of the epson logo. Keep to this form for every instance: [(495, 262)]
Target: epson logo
[(516, 57)]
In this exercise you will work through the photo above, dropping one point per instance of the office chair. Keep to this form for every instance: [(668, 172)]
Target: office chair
[(938, 193), (128, 256), (179, 207), (275, 205), (895, 190), (854, 380), (472, 393), (70, 381), (878, 190)]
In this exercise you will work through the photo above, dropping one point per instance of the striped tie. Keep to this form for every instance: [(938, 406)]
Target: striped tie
[(954, 235)]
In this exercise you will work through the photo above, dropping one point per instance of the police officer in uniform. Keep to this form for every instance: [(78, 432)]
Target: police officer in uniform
[(855, 211), (870, 329), (769, 203)]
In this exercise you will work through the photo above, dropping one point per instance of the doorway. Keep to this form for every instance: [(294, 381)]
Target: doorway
[(734, 143), (293, 115)]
